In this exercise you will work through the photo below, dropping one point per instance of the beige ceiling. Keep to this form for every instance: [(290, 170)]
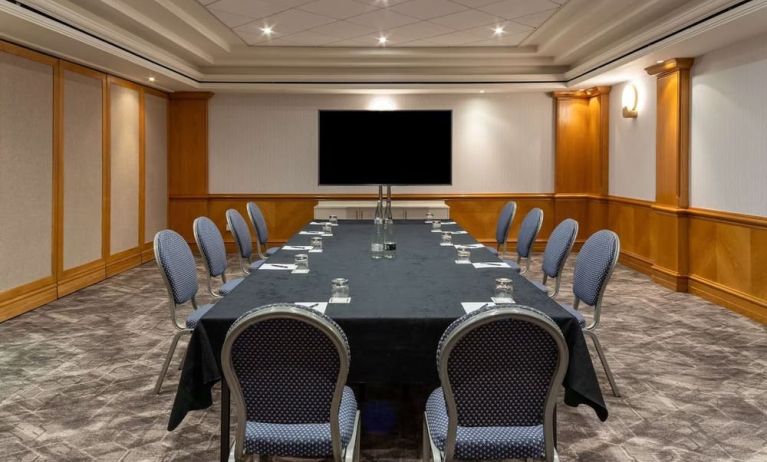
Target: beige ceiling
[(404, 23), (330, 45)]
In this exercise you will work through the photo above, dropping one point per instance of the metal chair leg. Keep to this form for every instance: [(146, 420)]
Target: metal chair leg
[(425, 445), (602, 358), (168, 358)]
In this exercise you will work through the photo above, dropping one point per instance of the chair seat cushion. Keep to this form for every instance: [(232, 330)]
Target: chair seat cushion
[(301, 440), (194, 316), (229, 286), (256, 264), (492, 250), (540, 286), (483, 442), (271, 251), (577, 314)]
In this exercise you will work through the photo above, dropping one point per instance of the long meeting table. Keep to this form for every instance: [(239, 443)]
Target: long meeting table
[(399, 309)]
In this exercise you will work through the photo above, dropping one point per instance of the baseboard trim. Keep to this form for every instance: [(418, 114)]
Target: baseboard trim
[(123, 261), (669, 279), (732, 299), (636, 262), (80, 277), (27, 297)]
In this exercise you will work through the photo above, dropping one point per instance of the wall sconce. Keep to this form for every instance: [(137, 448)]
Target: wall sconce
[(630, 99)]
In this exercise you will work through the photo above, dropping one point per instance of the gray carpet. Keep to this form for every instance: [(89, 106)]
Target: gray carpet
[(76, 380)]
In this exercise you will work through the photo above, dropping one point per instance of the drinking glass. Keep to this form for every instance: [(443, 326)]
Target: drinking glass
[(339, 288), (447, 237), (504, 289), (316, 243), (334, 219), (436, 224), (327, 228), (429, 217), (302, 262), (463, 254)]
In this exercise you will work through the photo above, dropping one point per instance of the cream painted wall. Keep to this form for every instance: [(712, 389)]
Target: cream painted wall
[(82, 169), (124, 176), (156, 164), (632, 142), (729, 129), (268, 143), (26, 169)]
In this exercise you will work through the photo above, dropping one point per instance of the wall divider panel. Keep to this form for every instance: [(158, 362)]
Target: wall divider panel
[(155, 168)]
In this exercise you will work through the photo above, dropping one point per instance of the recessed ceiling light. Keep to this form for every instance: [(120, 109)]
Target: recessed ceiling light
[(382, 40), (267, 30), (151, 79), (498, 31), (481, 91), (659, 61)]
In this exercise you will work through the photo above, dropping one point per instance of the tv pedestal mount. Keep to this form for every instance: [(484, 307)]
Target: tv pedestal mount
[(366, 209)]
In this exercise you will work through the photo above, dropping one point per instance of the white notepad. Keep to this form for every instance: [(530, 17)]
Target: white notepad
[(316, 306), (474, 246), (474, 306), (323, 223), (277, 266), (297, 247), (312, 233), (491, 264)]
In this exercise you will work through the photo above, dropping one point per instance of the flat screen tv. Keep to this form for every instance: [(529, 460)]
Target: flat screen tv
[(385, 147)]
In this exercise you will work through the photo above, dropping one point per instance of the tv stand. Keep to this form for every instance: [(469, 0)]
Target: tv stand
[(365, 210)]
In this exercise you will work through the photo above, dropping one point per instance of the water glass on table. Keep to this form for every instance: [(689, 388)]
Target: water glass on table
[(339, 288), (316, 243), (504, 291), (333, 219), (464, 255), (447, 238), (436, 224), (327, 228)]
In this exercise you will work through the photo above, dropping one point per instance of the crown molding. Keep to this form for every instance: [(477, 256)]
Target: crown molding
[(670, 65), (180, 9)]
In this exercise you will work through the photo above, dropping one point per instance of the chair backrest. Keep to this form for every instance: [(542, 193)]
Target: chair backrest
[(259, 223), (502, 366), (176, 263), (504, 222), (559, 246), (211, 245), (240, 232), (594, 266), (287, 364), (528, 231)]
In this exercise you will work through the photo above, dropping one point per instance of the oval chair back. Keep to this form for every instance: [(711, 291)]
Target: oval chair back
[(557, 251), (286, 364), (505, 218), (259, 224), (528, 232), (176, 263), (502, 366), (593, 269), (211, 245), (241, 234)]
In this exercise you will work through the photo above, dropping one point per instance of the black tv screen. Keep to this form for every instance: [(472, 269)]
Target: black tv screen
[(385, 147)]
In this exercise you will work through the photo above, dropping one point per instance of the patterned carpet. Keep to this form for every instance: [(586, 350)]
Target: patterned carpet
[(76, 380)]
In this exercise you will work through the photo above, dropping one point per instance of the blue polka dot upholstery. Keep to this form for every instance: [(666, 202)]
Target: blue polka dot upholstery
[(504, 221), (528, 231), (500, 373), (287, 370), (498, 442), (593, 265), (301, 440), (240, 232), (558, 247), (259, 222), (211, 245), (195, 316), (177, 262), (227, 287)]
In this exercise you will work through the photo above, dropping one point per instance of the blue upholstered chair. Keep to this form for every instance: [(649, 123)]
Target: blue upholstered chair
[(262, 232), (286, 366), (241, 235), (213, 252), (503, 226), (179, 272), (528, 231), (555, 255), (593, 268), (501, 368)]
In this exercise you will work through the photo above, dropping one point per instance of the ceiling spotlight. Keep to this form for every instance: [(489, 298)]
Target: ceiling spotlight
[(660, 61), (498, 31), (481, 91), (151, 79), (267, 30), (382, 40)]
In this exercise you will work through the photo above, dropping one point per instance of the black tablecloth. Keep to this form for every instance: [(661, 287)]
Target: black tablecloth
[(398, 311)]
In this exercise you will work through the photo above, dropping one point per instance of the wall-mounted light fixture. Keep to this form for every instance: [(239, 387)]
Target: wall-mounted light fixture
[(630, 100)]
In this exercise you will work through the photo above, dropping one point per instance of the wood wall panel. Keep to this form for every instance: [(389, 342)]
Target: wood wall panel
[(156, 168), (188, 143)]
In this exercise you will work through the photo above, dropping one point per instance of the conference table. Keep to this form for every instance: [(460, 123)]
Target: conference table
[(398, 310)]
